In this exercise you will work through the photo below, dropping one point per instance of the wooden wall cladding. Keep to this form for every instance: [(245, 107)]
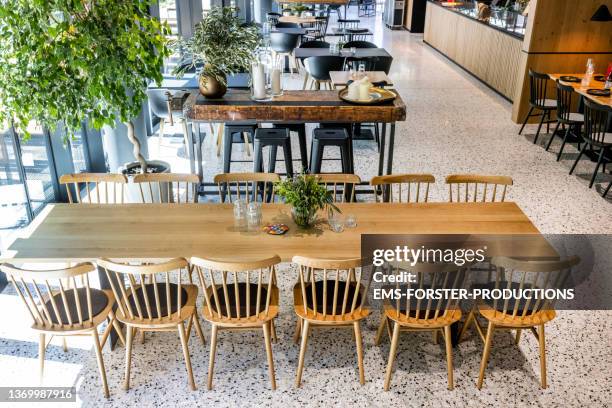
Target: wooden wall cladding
[(489, 54)]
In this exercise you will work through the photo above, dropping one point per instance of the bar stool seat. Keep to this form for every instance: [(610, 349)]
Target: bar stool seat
[(272, 138), (330, 137), (300, 129), (236, 132)]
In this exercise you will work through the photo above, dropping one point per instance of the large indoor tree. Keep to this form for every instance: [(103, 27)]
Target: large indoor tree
[(63, 62)]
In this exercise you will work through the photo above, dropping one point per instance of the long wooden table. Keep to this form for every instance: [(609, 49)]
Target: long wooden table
[(139, 232), (582, 90), (295, 107), (359, 54)]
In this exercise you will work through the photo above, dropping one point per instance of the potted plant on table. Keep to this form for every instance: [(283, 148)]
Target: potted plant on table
[(306, 197), (223, 45), (63, 63)]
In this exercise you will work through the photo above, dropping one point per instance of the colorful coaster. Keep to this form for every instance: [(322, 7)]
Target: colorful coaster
[(276, 229)]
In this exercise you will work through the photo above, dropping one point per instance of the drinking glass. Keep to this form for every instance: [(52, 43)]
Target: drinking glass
[(240, 213), (336, 222), (254, 216), (350, 221)]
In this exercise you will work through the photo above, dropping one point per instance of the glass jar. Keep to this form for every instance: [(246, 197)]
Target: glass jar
[(254, 216), (240, 214)]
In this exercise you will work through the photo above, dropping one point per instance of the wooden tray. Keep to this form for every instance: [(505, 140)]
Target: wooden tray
[(377, 96)]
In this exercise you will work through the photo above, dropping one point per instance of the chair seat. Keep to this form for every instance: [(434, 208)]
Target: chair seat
[(149, 292), (548, 104), (506, 320), (243, 288), (327, 304), (411, 321), (99, 302), (576, 117)]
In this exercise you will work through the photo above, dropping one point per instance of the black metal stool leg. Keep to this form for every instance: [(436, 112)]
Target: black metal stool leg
[(288, 161), (303, 151)]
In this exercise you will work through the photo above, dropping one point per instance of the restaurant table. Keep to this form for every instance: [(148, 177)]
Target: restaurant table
[(294, 107), (582, 90), (298, 19), (360, 53), (339, 32), (341, 78)]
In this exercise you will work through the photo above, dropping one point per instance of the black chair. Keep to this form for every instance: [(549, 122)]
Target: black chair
[(596, 123), (319, 68), (310, 44), (318, 29), (537, 100), (366, 8), (323, 137), (282, 24), (272, 18), (566, 117), (272, 138), (359, 44), (356, 34), (348, 23), (282, 45), (382, 63)]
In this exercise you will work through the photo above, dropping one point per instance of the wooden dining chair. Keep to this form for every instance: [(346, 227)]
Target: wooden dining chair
[(239, 295), (415, 187), (62, 303), (167, 187), (477, 188), (519, 315), (247, 186), (100, 188), (330, 293), (423, 315), (153, 297), (342, 185)]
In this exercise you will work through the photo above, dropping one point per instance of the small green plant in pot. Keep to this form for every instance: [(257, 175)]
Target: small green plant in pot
[(306, 196), (223, 45)]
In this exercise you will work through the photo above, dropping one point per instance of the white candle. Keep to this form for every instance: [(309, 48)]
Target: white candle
[(364, 91), (259, 82), (353, 91), (276, 81)]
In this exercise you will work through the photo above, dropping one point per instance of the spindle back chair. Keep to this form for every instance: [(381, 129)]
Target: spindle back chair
[(477, 188), (341, 185), (239, 295), (167, 187), (330, 293), (416, 187), (153, 297), (247, 186), (62, 302), (108, 188)]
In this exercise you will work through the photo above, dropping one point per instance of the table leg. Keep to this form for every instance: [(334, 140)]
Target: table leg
[(190, 145), (391, 148), (198, 153)]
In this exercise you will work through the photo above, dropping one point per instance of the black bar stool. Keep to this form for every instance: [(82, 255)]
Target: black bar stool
[(272, 138), (233, 133), (330, 137), (300, 129), (352, 129)]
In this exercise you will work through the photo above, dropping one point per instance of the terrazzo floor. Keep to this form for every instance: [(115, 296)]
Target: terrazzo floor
[(454, 125)]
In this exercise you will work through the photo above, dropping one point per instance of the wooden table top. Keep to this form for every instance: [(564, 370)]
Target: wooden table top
[(360, 53), (297, 19), (292, 106), (81, 232), (341, 78), (582, 90)]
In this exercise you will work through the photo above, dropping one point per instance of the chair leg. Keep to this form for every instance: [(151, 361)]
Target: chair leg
[(98, 350), (196, 323), (213, 350), (266, 332), (183, 336), (535, 139), (64, 344), (547, 121), (605, 193), (273, 331), (142, 337), (449, 356), (584, 145), (359, 342), (298, 331), (567, 131), (542, 341), (517, 339), (381, 330), (435, 336), (185, 138), (599, 160), (128, 356), (305, 81), (526, 119), (466, 325), (161, 135), (552, 136), (392, 353), (42, 347), (485, 354), (305, 330)]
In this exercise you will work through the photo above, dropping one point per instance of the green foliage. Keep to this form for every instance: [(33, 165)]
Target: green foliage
[(305, 194), (222, 42), (66, 61)]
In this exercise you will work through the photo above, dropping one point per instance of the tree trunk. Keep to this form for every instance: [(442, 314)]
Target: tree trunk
[(137, 155)]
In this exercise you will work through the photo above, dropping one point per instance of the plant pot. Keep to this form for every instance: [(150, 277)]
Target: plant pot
[(132, 190), (304, 218), (210, 87)]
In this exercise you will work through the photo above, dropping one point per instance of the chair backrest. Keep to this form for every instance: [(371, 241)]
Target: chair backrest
[(359, 44), (167, 187), (338, 183), (273, 18), (415, 186), (597, 119), (357, 34), (238, 291), (247, 186), (159, 102), (55, 299), (427, 276), (319, 67), (320, 25), (348, 23), (108, 188), (282, 24), (148, 293), (468, 188), (283, 42), (314, 44), (521, 275), (333, 288), (382, 63), (538, 83), (564, 101)]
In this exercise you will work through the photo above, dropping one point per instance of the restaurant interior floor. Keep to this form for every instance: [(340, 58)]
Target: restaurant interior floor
[(454, 125)]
